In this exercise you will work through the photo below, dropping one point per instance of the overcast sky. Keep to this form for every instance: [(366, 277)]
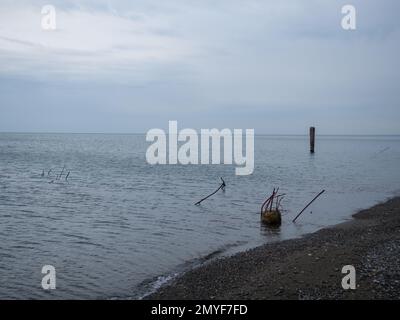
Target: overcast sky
[(129, 66)]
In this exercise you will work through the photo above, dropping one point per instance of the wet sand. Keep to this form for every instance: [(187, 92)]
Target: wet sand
[(306, 268)]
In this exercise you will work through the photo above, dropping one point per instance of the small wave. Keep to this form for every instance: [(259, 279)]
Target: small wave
[(151, 286)]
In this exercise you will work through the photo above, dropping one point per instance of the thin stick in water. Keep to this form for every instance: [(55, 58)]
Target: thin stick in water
[(222, 186), (62, 171), (294, 220)]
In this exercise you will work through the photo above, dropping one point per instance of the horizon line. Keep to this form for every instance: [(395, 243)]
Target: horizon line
[(256, 134)]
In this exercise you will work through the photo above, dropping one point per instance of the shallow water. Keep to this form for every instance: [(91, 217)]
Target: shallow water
[(119, 223)]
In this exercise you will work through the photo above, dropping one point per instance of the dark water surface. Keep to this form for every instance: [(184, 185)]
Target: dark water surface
[(118, 224)]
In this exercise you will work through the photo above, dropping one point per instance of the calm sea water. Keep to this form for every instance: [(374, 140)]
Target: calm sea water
[(118, 227)]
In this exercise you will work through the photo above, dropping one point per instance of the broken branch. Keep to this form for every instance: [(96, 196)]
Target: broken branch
[(294, 220), (222, 186)]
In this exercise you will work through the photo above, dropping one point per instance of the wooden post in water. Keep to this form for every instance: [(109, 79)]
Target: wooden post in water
[(312, 139)]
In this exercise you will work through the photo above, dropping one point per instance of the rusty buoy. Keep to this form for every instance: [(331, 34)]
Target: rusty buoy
[(271, 214), (272, 217)]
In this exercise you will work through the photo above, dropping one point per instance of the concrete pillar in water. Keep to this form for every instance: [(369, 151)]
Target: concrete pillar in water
[(312, 139)]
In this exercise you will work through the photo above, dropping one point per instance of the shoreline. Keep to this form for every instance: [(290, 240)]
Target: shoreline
[(305, 268)]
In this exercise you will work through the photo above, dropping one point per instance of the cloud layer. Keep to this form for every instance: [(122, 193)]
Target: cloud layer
[(206, 63)]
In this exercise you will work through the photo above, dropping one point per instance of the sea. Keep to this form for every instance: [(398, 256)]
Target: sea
[(119, 228)]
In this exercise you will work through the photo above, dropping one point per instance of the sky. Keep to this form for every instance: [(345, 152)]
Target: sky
[(127, 66)]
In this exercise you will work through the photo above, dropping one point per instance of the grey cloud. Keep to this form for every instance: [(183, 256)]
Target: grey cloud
[(207, 63)]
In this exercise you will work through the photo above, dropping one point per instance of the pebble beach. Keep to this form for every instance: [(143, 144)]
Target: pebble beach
[(306, 268)]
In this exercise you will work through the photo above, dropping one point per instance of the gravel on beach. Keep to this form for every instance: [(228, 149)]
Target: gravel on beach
[(306, 268)]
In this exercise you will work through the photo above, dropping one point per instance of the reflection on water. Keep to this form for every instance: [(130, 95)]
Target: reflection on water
[(270, 231), (118, 223)]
